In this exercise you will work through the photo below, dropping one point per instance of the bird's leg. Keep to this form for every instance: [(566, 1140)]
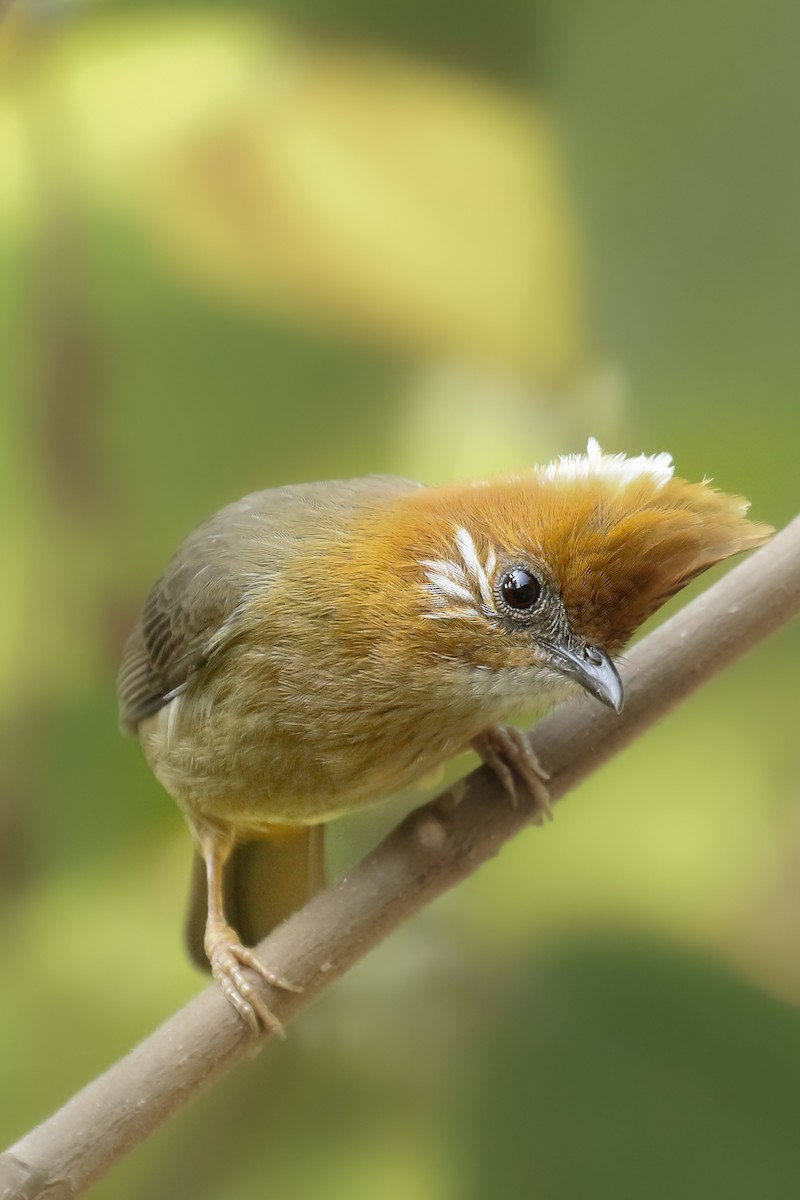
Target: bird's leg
[(510, 755), (226, 954)]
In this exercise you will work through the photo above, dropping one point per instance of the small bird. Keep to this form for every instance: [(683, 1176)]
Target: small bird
[(312, 649)]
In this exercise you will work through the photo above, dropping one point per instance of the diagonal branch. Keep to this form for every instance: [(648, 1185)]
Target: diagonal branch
[(430, 851)]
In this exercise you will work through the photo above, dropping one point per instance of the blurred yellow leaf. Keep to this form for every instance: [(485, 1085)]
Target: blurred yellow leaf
[(14, 172), (402, 203), (131, 88)]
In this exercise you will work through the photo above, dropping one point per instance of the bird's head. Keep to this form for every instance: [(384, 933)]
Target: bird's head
[(538, 579)]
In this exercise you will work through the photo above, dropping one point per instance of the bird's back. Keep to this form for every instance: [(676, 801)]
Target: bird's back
[(248, 542)]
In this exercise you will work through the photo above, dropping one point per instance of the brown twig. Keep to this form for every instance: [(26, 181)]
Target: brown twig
[(429, 852)]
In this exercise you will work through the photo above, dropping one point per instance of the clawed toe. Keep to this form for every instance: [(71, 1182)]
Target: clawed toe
[(248, 958), (507, 751), (230, 962)]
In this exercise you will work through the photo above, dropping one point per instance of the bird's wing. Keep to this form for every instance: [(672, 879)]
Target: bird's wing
[(191, 612), (182, 622)]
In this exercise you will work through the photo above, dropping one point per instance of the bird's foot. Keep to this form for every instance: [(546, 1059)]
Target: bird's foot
[(227, 957), (507, 751)]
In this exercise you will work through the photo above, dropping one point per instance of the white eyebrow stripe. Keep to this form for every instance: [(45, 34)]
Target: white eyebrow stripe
[(473, 564)]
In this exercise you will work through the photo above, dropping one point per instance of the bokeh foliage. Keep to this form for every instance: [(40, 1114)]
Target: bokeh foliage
[(255, 243)]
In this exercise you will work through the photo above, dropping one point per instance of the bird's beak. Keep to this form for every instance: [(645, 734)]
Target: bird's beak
[(593, 669)]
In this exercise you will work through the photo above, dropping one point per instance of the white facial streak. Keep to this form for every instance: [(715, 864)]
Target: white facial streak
[(478, 570), (452, 580), (438, 575)]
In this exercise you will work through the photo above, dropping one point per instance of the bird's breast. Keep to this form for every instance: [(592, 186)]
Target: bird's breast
[(297, 741), (279, 768)]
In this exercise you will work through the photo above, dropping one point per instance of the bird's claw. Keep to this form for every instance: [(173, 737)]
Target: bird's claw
[(227, 957), (507, 751)]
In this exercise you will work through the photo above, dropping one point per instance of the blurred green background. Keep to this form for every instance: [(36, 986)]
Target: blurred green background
[(247, 244)]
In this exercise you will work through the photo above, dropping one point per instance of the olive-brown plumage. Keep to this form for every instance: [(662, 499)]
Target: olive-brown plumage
[(312, 649)]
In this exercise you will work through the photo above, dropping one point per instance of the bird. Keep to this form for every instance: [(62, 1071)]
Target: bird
[(314, 648)]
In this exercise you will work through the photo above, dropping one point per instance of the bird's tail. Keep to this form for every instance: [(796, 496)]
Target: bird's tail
[(264, 882)]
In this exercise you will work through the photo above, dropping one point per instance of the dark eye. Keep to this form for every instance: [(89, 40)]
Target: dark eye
[(520, 589)]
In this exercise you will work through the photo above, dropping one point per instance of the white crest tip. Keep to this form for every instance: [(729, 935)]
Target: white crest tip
[(615, 468)]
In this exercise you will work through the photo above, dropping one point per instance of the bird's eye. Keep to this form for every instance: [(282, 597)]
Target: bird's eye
[(520, 589)]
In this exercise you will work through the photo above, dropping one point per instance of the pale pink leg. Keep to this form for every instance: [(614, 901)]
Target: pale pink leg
[(226, 954)]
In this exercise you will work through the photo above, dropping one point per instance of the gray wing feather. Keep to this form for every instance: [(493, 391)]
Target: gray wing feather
[(175, 635)]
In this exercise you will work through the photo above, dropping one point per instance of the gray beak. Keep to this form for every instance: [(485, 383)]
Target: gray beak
[(593, 670)]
